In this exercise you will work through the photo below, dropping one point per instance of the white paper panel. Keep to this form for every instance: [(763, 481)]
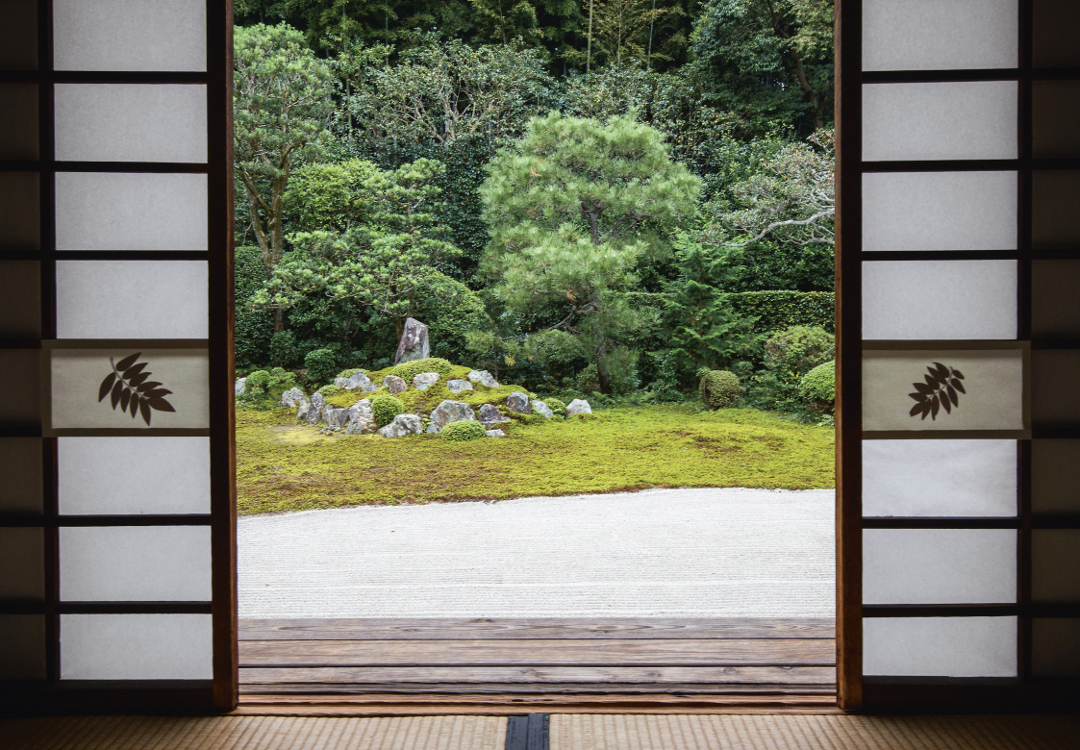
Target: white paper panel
[(134, 475), (129, 35), (915, 121), (939, 478), (1055, 398), (20, 299), (131, 300), (1054, 309), (939, 34), (22, 563), (1055, 565), (1055, 476), (131, 122), (20, 210), (1055, 112), (993, 384), (78, 373), (22, 647), (1055, 648), (136, 647), (939, 566), (940, 646), (105, 211), (21, 467), (945, 299), (135, 563), (955, 210), (1055, 208)]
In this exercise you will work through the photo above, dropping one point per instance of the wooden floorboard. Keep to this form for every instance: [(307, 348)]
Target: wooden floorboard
[(532, 657)]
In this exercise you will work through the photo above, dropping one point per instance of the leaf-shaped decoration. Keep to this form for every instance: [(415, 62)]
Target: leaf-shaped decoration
[(939, 391), (129, 388)]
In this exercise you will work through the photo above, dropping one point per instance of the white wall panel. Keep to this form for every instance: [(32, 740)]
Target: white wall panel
[(134, 475), (168, 35), (939, 566), (932, 121), (107, 211), (907, 300), (939, 477), (939, 34), (940, 646), (955, 210), (136, 647), (135, 563), (132, 300), (131, 122)]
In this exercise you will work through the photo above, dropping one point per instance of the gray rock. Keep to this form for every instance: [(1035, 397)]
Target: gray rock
[(578, 406), (361, 427), (341, 382), (414, 342), (490, 415), (519, 402), (293, 397), (483, 377), (447, 412), (361, 381), (335, 418), (495, 433), (361, 419), (457, 386), (314, 412), (302, 411), (239, 387), (542, 409), (395, 384), (425, 380), (361, 410), (403, 424)]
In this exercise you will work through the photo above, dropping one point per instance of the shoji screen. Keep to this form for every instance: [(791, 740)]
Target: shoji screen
[(116, 531), (959, 286)]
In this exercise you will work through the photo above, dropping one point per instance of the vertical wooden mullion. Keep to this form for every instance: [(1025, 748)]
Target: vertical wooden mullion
[(849, 353), (219, 67)]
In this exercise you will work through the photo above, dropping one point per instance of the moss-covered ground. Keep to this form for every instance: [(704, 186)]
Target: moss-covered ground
[(282, 466)]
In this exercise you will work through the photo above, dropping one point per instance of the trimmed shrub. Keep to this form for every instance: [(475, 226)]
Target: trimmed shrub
[(818, 388), (719, 388), (464, 430), (384, 408), (321, 365), (257, 383), (558, 408), (409, 370), (330, 390)]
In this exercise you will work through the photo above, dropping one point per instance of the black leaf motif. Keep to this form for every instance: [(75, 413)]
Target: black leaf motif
[(938, 392), (130, 388)]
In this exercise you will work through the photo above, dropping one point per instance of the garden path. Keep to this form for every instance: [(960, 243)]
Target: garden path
[(657, 553)]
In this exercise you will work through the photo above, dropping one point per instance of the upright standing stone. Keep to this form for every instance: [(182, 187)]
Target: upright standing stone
[(414, 342), (314, 412)]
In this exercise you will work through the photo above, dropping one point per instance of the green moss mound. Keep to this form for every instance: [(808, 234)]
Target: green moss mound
[(349, 373), (384, 408), (409, 370), (719, 388), (818, 388), (558, 408), (462, 431), (330, 390)]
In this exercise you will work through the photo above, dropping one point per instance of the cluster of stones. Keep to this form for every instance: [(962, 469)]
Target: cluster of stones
[(359, 418)]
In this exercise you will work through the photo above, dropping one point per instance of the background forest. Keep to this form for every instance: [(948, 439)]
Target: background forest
[(587, 197)]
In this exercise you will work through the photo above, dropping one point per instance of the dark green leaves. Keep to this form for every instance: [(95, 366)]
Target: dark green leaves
[(939, 391), (129, 387)]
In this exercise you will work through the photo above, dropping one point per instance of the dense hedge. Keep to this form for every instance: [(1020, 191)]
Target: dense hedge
[(780, 310), (253, 327)]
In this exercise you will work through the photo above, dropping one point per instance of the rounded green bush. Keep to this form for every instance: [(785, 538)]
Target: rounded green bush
[(330, 390), (384, 408), (818, 388), (558, 408), (719, 389), (464, 430), (257, 382), (409, 370), (321, 365)]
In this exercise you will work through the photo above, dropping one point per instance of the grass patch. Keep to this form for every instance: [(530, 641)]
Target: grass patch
[(282, 467)]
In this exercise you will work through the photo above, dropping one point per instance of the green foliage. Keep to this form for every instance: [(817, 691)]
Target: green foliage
[(321, 365), (263, 389), (558, 408), (384, 408), (453, 310), (254, 328), (789, 355), (574, 208), (284, 351), (350, 372), (719, 388), (330, 390), (779, 310), (464, 430), (409, 370), (818, 388)]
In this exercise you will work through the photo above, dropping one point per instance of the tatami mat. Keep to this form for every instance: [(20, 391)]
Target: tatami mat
[(255, 733), (613, 732)]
